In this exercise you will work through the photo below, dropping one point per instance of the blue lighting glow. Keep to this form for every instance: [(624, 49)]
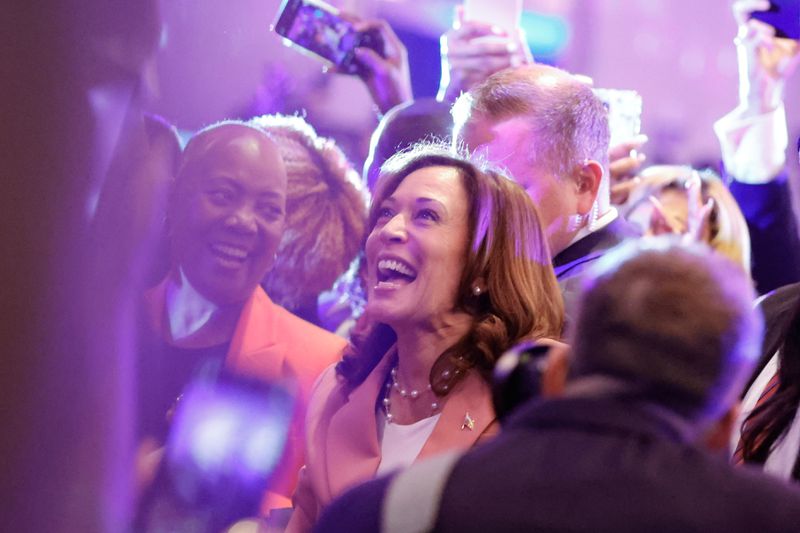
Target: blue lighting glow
[(547, 35)]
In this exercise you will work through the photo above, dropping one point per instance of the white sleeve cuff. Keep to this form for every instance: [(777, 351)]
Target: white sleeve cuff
[(753, 147)]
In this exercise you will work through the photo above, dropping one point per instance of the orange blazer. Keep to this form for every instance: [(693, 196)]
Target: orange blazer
[(270, 343), (342, 448)]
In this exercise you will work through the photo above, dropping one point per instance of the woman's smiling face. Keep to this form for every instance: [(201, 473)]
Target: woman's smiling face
[(229, 213), (417, 249)]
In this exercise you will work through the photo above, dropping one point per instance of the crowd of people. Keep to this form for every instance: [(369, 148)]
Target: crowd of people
[(667, 394)]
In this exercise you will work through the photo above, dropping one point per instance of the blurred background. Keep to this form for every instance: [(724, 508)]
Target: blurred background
[(220, 60)]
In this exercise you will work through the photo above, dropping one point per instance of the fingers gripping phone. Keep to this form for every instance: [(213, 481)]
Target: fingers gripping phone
[(319, 29), (784, 16)]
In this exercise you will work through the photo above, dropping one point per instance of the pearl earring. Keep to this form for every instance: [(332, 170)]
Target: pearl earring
[(476, 290)]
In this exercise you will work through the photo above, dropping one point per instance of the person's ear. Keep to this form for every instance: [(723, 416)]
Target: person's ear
[(587, 184), (556, 370), (718, 437)]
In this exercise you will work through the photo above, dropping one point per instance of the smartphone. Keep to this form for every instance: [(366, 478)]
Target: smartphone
[(227, 438), (505, 14), (318, 28), (624, 113), (784, 16)]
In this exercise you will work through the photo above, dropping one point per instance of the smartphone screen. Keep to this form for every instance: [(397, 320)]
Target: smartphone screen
[(226, 441), (505, 14), (230, 428), (318, 28), (784, 16), (624, 113)]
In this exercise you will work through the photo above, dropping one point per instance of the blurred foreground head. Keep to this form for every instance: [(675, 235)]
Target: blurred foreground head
[(674, 323)]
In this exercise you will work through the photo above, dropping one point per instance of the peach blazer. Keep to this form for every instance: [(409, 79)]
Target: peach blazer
[(342, 448), (271, 343)]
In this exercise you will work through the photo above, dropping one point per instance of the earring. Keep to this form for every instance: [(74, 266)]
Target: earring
[(476, 290)]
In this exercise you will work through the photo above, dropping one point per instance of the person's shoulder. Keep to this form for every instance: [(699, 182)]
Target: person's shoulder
[(736, 498), (612, 234), (758, 499), (308, 349), (316, 342), (780, 300), (581, 254), (326, 384), (358, 509), (620, 229), (291, 322)]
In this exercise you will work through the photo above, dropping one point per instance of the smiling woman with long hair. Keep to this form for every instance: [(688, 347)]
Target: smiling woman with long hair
[(458, 271)]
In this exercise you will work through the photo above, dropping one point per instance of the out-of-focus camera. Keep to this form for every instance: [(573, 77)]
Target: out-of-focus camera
[(227, 438), (517, 377)]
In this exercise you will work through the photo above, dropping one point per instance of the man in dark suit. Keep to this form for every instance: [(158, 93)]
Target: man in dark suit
[(665, 338), (551, 132)]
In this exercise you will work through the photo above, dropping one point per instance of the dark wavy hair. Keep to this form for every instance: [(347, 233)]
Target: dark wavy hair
[(768, 422), (508, 250)]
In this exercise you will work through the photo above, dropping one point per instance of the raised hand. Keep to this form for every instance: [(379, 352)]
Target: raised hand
[(765, 61), (387, 77), (625, 159), (472, 51)]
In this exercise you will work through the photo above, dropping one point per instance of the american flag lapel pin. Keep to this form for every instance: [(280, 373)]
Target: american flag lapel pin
[(469, 422)]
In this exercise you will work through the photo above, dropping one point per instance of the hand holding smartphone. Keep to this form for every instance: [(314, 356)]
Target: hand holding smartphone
[(319, 29), (225, 444), (485, 38)]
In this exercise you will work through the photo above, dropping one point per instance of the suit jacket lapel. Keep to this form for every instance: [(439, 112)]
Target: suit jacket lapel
[(353, 432), (593, 245), (584, 250), (471, 399), (257, 348)]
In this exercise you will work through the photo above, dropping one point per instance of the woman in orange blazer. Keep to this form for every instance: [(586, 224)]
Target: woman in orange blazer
[(458, 271), (226, 217)]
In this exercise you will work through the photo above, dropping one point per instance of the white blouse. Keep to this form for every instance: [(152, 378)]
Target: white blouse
[(401, 444)]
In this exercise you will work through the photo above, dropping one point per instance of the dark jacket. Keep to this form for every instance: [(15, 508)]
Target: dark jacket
[(777, 308), (572, 262), (591, 465), (774, 243)]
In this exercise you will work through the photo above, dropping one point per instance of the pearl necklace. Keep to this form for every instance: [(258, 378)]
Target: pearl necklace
[(412, 394)]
